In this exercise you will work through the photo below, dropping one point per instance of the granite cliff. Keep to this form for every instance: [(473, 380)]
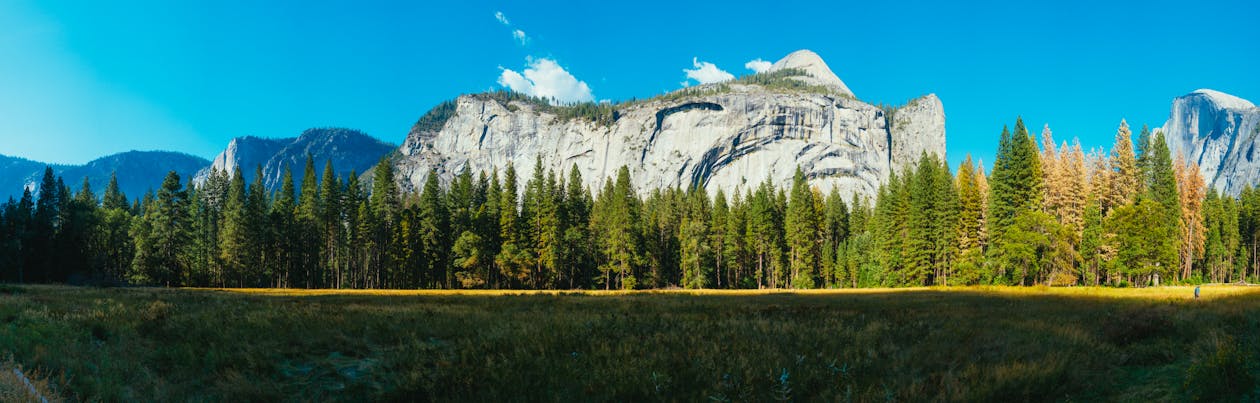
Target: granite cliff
[(728, 135)]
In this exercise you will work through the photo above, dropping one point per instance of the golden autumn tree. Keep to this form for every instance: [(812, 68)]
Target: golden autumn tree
[(1124, 174), (1191, 192)]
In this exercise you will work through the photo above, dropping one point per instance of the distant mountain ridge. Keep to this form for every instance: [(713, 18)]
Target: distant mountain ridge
[(349, 150), (138, 172)]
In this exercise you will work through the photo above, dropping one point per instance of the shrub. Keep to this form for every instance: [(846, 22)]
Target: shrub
[(1222, 376)]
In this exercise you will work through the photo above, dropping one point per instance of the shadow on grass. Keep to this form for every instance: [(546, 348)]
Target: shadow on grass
[(984, 343)]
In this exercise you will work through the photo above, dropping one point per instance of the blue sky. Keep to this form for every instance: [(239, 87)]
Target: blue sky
[(79, 80)]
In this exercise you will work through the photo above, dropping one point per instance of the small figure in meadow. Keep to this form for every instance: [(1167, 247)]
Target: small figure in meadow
[(1196, 292)]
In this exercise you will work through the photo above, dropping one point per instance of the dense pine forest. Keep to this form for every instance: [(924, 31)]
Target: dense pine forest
[(1046, 214)]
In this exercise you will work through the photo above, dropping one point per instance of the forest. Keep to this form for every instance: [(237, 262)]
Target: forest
[(1045, 214)]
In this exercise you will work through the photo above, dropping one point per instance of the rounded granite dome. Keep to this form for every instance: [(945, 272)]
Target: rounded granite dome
[(813, 65), (1224, 100)]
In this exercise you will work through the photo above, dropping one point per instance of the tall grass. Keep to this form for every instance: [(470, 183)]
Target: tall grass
[(919, 344)]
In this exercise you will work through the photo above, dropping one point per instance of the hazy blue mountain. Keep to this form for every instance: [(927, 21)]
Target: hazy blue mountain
[(138, 172)]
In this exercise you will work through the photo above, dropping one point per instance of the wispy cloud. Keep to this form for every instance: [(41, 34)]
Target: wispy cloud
[(757, 65), (705, 73), (517, 34), (546, 79)]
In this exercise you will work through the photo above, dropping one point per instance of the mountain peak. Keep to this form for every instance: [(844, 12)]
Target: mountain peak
[(813, 65), (1224, 100)]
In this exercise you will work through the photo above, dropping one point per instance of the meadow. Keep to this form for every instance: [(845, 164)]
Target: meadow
[(975, 343)]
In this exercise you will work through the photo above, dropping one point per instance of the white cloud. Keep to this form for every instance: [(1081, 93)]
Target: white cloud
[(757, 65), (545, 78), (517, 34), (706, 73)]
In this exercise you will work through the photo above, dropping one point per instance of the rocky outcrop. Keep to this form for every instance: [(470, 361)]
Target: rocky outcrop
[(729, 136), (1218, 131), (349, 150)]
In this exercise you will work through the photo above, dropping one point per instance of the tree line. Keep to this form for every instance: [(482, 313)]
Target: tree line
[(1047, 214)]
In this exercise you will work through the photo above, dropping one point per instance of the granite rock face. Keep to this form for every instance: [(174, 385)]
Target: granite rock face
[(1220, 132), (728, 136), (349, 150)]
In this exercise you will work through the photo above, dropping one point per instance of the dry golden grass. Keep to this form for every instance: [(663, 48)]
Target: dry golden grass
[(13, 389)]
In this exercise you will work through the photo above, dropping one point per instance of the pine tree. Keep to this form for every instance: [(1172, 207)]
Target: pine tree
[(513, 260), (81, 255), (693, 240), (763, 234), (353, 252), (263, 240), (718, 233), (970, 224), (890, 229), (118, 246), (734, 246), (1016, 191), (1093, 240), (434, 227), (618, 237), (21, 220), (576, 242), (945, 223), (488, 229), (1125, 176), (330, 223), (1143, 157), (234, 238), (1162, 189), (43, 230), (1145, 245), (287, 249), (835, 230), (1190, 188), (165, 236), (385, 208), (543, 222), (1073, 188), (802, 233), (306, 220), (920, 222)]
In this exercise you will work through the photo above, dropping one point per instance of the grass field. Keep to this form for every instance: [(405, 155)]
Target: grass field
[(1039, 344)]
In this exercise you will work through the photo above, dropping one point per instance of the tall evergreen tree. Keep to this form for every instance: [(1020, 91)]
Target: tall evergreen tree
[(1144, 148), (43, 230), (330, 223), (234, 238), (1015, 190), (289, 248), (802, 233), (162, 242), (435, 228), (970, 224)]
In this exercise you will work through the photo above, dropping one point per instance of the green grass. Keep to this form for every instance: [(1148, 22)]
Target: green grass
[(970, 344)]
